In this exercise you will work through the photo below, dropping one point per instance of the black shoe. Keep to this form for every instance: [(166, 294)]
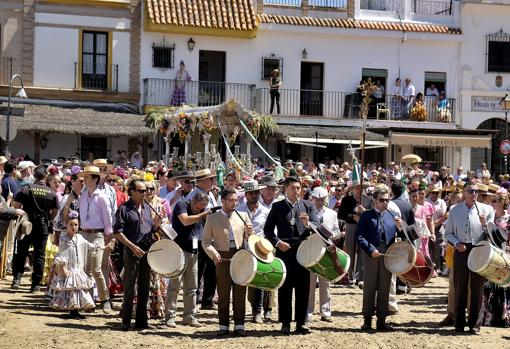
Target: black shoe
[(383, 326), (240, 333), (285, 329), (35, 289), (367, 324), (209, 307), (125, 327), (326, 319), (222, 333), (447, 321), (474, 330), (302, 329), (16, 284), (459, 329), (74, 314), (144, 327)]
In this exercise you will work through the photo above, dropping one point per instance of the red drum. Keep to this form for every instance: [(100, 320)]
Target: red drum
[(410, 265)]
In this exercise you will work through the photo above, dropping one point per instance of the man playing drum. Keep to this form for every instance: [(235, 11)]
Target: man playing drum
[(291, 216), (134, 228), (221, 247), (377, 229), (465, 227), (188, 222)]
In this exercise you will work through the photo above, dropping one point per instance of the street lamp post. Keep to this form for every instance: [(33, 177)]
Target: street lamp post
[(21, 94), (505, 105)]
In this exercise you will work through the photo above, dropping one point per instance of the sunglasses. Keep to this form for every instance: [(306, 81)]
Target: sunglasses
[(150, 189), (472, 191), (187, 181), (383, 200), (142, 191)]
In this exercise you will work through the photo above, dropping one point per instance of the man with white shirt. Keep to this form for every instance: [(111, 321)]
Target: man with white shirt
[(204, 181), (459, 175), (328, 218), (439, 217), (258, 215), (432, 91), (336, 198), (409, 94), (172, 185), (269, 192), (464, 228)]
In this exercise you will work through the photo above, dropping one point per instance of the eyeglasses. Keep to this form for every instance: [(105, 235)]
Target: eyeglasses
[(383, 200), (472, 191), (150, 188), (187, 181), (141, 191)]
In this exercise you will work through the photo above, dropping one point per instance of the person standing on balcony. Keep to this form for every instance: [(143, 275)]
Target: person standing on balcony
[(275, 82), (181, 77), (432, 91), (378, 96), (409, 94), (396, 100)]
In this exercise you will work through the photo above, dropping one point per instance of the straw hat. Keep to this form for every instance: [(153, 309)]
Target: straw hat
[(252, 185), (261, 248), (356, 183), (483, 188), (90, 170), (203, 174), (493, 188), (22, 227), (185, 175), (3, 160)]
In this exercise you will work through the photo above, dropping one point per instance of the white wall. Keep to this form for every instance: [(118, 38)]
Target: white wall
[(55, 52), (121, 46)]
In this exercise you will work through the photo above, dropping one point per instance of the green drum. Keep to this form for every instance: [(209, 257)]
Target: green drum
[(246, 270), (314, 256)]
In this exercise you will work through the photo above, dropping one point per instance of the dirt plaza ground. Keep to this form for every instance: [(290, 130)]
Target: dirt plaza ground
[(27, 322)]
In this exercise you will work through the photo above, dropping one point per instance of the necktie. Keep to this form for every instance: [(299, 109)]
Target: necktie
[(383, 232)]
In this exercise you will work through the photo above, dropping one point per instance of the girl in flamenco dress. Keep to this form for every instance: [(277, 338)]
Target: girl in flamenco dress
[(71, 285)]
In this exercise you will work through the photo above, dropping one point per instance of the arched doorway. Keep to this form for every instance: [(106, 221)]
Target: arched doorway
[(493, 157)]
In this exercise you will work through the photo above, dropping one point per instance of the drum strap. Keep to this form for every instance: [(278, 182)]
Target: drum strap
[(336, 262)]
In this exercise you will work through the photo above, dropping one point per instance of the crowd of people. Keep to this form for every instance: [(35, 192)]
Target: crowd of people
[(104, 218)]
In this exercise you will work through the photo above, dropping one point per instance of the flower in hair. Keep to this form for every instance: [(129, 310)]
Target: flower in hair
[(73, 214)]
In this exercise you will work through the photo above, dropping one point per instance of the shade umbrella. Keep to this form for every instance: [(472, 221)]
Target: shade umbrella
[(411, 158)]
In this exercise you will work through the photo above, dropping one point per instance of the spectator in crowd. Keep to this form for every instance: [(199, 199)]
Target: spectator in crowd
[(432, 91)]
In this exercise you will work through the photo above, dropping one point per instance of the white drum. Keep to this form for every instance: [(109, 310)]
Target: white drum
[(490, 262), (166, 258)]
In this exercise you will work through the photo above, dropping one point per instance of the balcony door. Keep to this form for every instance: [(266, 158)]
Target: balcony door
[(211, 74), (311, 94), (94, 60)]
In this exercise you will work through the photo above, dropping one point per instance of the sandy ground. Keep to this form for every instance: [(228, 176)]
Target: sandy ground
[(27, 322)]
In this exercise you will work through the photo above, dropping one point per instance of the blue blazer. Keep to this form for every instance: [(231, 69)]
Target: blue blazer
[(368, 231)]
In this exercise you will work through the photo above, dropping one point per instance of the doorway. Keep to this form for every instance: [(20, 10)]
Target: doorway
[(312, 80), (93, 147), (211, 76)]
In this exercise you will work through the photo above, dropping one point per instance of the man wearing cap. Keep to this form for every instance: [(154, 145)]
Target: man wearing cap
[(258, 216), (96, 227), (188, 222), (291, 216), (185, 178), (41, 205), (269, 193), (221, 246), (204, 181), (25, 168), (465, 227), (328, 218)]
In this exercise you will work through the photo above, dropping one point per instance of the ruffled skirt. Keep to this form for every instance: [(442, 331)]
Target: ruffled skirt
[(72, 291)]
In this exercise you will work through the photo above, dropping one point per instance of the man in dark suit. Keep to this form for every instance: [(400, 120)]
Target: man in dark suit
[(376, 231), (291, 217)]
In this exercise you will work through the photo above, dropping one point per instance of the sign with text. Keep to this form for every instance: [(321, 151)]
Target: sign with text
[(504, 147), (487, 104)]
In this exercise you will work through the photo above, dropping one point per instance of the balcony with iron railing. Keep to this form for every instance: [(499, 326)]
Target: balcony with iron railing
[(441, 11), (295, 103)]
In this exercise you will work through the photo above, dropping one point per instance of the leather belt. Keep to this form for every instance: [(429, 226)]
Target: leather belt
[(92, 231)]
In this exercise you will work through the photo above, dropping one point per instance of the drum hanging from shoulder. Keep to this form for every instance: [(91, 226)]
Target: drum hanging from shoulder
[(490, 262), (246, 270), (166, 258), (410, 265), (313, 254)]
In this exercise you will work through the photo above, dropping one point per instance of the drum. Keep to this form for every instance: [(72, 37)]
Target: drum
[(313, 255), (246, 270), (490, 262), (166, 258), (410, 265)]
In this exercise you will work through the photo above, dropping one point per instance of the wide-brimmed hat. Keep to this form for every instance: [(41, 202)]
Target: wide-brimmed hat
[(261, 248), (102, 163), (268, 181), (434, 190), (252, 185), (482, 188), (3, 160), (90, 170), (319, 193), (203, 174), (185, 175), (22, 227), (493, 188)]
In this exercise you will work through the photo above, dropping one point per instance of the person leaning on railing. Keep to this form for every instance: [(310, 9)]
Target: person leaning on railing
[(443, 109), (419, 112)]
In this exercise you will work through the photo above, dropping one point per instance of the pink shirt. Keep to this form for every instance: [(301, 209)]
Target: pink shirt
[(95, 212)]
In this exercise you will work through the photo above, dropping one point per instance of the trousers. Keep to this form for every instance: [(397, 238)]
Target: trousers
[(189, 281), (38, 241), (136, 271), (94, 264)]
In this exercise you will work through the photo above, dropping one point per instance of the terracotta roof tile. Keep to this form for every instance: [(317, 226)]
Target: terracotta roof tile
[(237, 15), (352, 23)]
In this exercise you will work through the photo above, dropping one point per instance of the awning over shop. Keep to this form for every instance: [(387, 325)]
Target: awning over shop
[(329, 135), (440, 140)]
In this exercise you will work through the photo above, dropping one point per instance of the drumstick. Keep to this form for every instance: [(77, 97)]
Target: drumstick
[(241, 217), (158, 249)]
